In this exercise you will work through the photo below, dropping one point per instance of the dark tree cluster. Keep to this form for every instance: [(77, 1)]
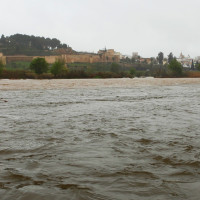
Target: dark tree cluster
[(175, 67), (19, 43), (170, 57), (160, 58)]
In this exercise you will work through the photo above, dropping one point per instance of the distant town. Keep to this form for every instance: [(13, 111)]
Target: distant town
[(105, 55), (20, 47), (18, 51)]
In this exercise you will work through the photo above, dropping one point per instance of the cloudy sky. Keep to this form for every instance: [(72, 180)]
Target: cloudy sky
[(144, 26)]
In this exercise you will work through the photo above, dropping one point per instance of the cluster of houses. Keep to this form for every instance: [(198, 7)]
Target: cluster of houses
[(186, 61)]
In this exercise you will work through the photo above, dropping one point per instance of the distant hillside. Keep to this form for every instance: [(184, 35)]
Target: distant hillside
[(19, 44)]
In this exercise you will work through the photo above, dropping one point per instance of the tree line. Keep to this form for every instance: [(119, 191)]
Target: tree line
[(19, 43), (174, 68), (40, 69)]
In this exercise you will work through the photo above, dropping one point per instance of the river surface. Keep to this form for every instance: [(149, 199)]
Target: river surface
[(100, 143)]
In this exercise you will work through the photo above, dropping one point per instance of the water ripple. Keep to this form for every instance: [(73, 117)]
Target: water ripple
[(100, 143)]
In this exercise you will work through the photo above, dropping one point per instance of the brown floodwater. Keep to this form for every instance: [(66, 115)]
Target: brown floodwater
[(100, 139), (25, 84)]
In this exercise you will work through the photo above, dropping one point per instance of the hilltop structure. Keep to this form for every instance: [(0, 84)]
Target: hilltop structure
[(186, 61), (19, 47)]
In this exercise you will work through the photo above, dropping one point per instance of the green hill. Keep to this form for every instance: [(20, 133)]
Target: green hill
[(20, 44)]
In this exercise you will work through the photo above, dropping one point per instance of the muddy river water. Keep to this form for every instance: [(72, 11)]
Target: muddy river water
[(119, 139)]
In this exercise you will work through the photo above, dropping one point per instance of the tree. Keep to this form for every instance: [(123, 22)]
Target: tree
[(3, 39), (160, 58), (197, 66), (192, 65), (170, 57), (29, 45), (39, 65), (127, 59), (55, 43), (58, 67), (132, 71), (133, 60), (175, 67)]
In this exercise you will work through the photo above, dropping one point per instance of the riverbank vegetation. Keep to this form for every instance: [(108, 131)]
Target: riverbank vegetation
[(127, 68), (38, 69)]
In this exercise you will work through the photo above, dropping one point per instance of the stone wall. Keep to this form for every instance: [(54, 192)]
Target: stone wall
[(83, 58), (18, 58), (69, 58), (3, 58), (87, 58)]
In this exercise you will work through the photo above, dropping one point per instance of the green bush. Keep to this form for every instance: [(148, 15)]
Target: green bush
[(175, 68), (58, 68), (39, 65), (132, 71)]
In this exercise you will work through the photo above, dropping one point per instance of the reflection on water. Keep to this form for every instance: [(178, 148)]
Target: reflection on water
[(100, 143)]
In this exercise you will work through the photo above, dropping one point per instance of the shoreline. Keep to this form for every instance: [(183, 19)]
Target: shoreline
[(32, 84)]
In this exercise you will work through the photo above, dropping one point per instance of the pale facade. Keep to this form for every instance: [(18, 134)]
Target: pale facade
[(3, 58), (186, 61)]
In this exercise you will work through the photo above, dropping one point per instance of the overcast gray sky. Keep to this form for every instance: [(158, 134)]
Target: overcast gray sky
[(144, 26)]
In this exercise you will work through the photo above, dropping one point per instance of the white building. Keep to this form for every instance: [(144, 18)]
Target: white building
[(186, 61)]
